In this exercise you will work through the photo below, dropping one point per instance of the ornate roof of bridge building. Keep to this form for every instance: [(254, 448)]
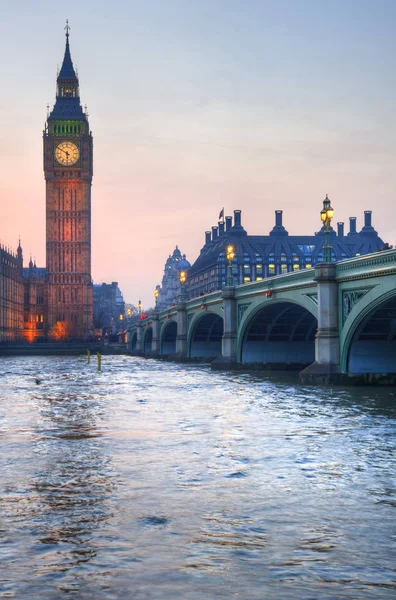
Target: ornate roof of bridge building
[(276, 252), (169, 291)]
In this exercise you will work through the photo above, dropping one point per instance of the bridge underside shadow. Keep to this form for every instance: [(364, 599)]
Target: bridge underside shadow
[(206, 337), (373, 346), (148, 340), (168, 345), (280, 336), (134, 342)]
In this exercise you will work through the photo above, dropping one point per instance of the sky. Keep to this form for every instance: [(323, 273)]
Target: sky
[(196, 105)]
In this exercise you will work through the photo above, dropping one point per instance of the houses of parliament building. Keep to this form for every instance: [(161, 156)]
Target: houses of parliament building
[(56, 302)]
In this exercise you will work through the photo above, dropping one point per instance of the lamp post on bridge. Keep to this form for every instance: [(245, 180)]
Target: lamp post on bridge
[(139, 308), (230, 256), (326, 214), (182, 279), (156, 294), (326, 368)]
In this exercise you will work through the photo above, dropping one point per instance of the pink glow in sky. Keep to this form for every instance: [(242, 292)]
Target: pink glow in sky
[(195, 105)]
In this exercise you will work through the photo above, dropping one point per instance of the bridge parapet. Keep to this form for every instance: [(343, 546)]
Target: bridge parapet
[(285, 281), (208, 300), (379, 263)]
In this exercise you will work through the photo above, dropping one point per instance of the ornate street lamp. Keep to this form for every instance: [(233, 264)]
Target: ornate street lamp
[(140, 307), (326, 214), (182, 279), (156, 294), (230, 256)]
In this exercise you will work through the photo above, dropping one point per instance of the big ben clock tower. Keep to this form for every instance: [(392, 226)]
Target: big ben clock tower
[(68, 175)]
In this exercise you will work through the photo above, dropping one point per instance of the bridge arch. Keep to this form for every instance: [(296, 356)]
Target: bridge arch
[(368, 342), (205, 336), (147, 339), (168, 337), (279, 332), (133, 341)]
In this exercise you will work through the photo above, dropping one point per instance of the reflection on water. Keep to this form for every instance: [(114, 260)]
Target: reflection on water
[(151, 480)]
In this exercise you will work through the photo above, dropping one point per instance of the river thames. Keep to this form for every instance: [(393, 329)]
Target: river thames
[(152, 480)]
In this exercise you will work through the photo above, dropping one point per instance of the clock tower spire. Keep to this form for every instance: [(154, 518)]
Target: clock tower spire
[(68, 175)]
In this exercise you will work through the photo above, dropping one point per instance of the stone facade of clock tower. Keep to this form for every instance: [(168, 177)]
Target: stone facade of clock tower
[(68, 170)]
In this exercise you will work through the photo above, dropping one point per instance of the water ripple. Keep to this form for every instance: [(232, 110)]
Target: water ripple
[(155, 481)]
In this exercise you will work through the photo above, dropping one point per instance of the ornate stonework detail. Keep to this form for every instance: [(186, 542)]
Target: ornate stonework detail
[(241, 311), (349, 299), (313, 298)]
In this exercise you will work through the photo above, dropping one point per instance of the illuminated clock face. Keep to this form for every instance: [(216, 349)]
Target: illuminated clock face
[(67, 153)]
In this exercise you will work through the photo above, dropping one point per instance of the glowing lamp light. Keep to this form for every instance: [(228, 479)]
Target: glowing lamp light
[(182, 277), (203, 306), (268, 294), (326, 214), (230, 252), (156, 293)]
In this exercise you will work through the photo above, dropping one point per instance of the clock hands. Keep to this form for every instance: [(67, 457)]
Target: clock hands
[(61, 149), (71, 154)]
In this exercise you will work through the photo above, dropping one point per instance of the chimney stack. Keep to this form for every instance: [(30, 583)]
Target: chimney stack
[(278, 218), (214, 233), (221, 228), (340, 229), (207, 237), (352, 225), (237, 218), (228, 221), (367, 218)]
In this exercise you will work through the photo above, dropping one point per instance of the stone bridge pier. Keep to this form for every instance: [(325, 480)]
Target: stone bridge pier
[(326, 367), (228, 358), (181, 336)]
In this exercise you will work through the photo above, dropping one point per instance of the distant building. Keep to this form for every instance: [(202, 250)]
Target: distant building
[(35, 300), (109, 308), (260, 256), (170, 290), (11, 295)]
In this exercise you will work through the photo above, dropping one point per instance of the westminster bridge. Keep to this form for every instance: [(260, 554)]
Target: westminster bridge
[(334, 322)]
